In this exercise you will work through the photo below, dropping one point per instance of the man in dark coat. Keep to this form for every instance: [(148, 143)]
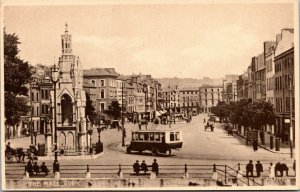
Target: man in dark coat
[(155, 167), (144, 167), (36, 168), (249, 169), (44, 168), (136, 167), (278, 168), (29, 168), (259, 168)]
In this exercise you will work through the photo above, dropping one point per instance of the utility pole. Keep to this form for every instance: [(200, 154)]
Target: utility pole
[(170, 105)]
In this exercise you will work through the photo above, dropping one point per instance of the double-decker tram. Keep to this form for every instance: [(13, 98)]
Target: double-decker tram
[(156, 141)]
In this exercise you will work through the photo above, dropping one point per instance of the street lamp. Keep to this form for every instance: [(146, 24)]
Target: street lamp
[(145, 90), (90, 132), (54, 80), (99, 134), (35, 134)]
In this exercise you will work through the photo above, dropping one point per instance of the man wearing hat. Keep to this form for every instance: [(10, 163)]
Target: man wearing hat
[(136, 167), (144, 167), (155, 167), (259, 168)]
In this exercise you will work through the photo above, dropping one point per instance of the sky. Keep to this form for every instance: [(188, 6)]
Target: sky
[(164, 40)]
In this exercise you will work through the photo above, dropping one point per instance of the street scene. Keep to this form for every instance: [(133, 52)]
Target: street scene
[(106, 101)]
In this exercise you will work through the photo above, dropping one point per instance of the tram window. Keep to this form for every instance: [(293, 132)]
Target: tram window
[(177, 137), (141, 136), (151, 136), (156, 136), (171, 136), (146, 136), (136, 136)]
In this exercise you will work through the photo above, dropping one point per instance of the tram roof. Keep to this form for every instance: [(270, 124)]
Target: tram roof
[(156, 131)]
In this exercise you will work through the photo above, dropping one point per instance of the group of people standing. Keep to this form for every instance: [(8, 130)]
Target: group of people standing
[(144, 167), (276, 170)]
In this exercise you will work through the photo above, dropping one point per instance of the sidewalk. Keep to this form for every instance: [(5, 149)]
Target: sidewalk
[(283, 150)]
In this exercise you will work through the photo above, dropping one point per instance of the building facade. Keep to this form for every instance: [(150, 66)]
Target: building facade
[(209, 96)]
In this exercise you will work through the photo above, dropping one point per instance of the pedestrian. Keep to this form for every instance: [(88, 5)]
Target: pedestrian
[(272, 172), (44, 168), (144, 167), (294, 166), (36, 168), (140, 126), (285, 168), (249, 169), (136, 167), (259, 168), (204, 120), (255, 144), (155, 167), (278, 168), (29, 168)]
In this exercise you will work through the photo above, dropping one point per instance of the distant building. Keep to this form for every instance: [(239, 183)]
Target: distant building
[(189, 100), (209, 96), (105, 82)]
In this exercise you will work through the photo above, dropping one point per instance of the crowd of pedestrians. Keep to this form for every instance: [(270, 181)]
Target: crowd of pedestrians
[(143, 167)]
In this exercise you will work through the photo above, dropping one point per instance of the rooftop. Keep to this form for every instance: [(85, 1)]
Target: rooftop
[(100, 72)]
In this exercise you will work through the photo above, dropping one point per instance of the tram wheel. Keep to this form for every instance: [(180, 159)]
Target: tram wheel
[(154, 151), (128, 150)]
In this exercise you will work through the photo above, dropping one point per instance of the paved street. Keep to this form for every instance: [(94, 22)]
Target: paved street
[(199, 147)]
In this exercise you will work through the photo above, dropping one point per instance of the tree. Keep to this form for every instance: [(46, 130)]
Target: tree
[(90, 109), (16, 75), (221, 110), (114, 110)]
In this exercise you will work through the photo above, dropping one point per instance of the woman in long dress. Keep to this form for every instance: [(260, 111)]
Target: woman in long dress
[(271, 170)]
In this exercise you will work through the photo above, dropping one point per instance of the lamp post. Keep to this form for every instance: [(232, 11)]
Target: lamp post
[(99, 134), (35, 134), (90, 132), (54, 80), (145, 90)]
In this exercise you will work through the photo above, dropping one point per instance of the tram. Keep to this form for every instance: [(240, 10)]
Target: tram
[(156, 141)]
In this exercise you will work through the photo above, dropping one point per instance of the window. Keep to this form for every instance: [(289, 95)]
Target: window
[(146, 136), (172, 137), (177, 136), (102, 94), (102, 106), (93, 82), (141, 136), (151, 136), (102, 82), (156, 137)]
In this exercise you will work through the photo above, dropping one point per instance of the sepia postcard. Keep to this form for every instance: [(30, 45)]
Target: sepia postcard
[(159, 95)]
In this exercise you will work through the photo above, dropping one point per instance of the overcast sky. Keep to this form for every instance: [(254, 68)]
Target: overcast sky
[(163, 40)]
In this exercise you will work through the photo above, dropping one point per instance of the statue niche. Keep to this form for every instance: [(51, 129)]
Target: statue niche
[(66, 110)]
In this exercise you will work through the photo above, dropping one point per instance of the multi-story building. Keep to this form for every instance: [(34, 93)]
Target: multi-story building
[(171, 99), (284, 84), (269, 52), (260, 77), (242, 86), (209, 96), (105, 82), (189, 100)]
